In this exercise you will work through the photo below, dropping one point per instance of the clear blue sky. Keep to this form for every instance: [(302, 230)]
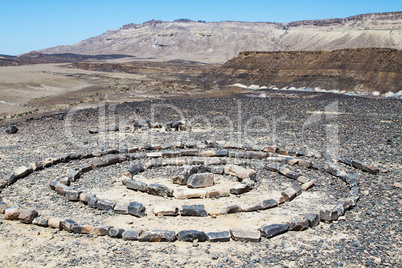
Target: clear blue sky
[(27, 25)]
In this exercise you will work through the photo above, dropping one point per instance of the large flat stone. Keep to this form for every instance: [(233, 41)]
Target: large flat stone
[(200, 180), (40, 222), (189, 193), (240, 189), (245, 235), (157, 236), (131, 234), (159, 189), (105, 204), (218, 236), (269, 231), (166, 210), (193, 210), (191, 235), (269, 203), (137, 185)]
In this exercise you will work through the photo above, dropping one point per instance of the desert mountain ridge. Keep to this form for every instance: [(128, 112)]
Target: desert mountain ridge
[(221, 41)]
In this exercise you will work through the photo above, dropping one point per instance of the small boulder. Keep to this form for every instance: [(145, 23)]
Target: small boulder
[(159, 189), (193, 210), (273, 230), (200, 180), (136, 209), (131, 234), (191, 236), (218, 236), (27, 215), (157, 236), (12, 130)]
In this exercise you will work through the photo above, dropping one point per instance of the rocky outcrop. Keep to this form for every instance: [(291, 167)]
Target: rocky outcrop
[(365, 69)]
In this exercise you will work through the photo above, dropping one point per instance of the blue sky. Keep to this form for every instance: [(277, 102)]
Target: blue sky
[(27, 25)]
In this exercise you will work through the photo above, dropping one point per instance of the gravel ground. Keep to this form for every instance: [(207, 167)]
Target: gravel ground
[(363, 129)]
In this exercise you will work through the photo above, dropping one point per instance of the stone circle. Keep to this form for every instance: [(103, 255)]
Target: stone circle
[(196, 166)]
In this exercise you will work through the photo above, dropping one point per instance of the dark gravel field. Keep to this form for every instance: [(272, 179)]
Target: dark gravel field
[(363, 129)]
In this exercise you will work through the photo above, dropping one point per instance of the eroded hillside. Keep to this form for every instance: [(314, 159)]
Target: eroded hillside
[(365, 69), (221, 41)]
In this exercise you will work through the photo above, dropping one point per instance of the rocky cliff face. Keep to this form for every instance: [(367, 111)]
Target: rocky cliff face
[(365, 69), (220, 41)]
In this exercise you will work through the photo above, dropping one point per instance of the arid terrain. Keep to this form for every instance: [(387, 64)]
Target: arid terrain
[(266, 109)]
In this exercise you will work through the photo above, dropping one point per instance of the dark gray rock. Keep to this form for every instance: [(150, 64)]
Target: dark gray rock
[(85, 168), (189, 152), (113, 160), (92, 201), (191, 236), (218, 236), (222, 153), (72, 195), (170, 154), (136, 209), (269, 203), (40, 222), (131, 234), (298, 225), (93, 131), (357, 164), (36, 165), (200, 180), (273, 230), (240, 189), (27, 215), (97, 163), (233, 209), (12, 130), (184, 173), (137, 185), (291, 192), (120, 209), (159, 189), (274, 167), (217, 169), (293, 175), (67, 225), (193, 210), (313, 219), (157, 236), (136, 168), (105, 205), (116, 232), (304, 163), (74, 175), (255, 155)]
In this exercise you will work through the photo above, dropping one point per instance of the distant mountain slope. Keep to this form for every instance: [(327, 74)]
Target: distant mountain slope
[(220, 41), (362, 69)]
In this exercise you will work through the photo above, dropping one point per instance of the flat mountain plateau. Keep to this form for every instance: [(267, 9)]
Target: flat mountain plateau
[(221, 41)]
